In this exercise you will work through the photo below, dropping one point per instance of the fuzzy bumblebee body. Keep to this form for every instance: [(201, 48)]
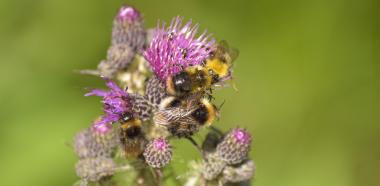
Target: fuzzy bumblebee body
[(132, 137), (183, 119), (200, 78), (217, 69), (190, 80), (219, 65)]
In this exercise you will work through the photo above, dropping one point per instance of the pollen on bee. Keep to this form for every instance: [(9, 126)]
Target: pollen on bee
[(218, 67)]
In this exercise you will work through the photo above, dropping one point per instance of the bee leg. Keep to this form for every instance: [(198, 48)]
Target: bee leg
[(216, 130), (195, 144)]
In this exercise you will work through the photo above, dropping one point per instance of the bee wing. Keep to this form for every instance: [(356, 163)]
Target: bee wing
[(224, 47), (170, 115), (185, 126), (223, 44), (234, 53)]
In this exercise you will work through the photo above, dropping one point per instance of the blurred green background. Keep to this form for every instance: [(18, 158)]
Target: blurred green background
[(307, 74)]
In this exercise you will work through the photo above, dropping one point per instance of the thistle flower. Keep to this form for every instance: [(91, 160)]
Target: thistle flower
[(141, 107), (94, 169), (155, 91), (240, 173), (158, 153), (212, 166), (116, 102), (176, 47), (104, 134), (153, 110), (119, 57), (87, 146), (128, 38), (128, 29), (235, 146)]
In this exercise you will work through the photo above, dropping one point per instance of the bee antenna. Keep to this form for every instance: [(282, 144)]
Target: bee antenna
[(221, 105), (211, 91), (68, 144)]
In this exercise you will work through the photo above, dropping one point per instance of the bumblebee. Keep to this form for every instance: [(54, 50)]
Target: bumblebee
[(190, 80), (199, 78), (219, 65), (184, 118), (132, 137)]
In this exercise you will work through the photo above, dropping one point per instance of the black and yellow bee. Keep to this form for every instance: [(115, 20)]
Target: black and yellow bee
[(200, 78), (132, 136), (183, 118)]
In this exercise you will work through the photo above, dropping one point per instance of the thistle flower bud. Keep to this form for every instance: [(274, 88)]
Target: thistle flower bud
[(128, 39), (104, 134), (86, 145), (240, 173), (94, 169), (213, 165), (155, 91), (128, 29), (141, 107), (158, 153), (119, 57), (235, 146)]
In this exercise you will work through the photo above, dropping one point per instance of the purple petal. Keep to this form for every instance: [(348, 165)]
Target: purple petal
[(175, 48), (97, 92)]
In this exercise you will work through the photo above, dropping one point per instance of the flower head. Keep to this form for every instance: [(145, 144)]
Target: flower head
[(235, 146), (101, 128), (90, 144), (158, 153), (243, 172), (128, 31), (128, 13), (116, 105), (177, 47), (94, 169), (212, 166), (241, 136)]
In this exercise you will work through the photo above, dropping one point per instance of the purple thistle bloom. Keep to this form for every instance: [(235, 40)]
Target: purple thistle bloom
[(128, 32), (160, 144), (101, 127), (235, 146), (176, 47), (128, 13), (158, 153), (241, 136), (116, 104)]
